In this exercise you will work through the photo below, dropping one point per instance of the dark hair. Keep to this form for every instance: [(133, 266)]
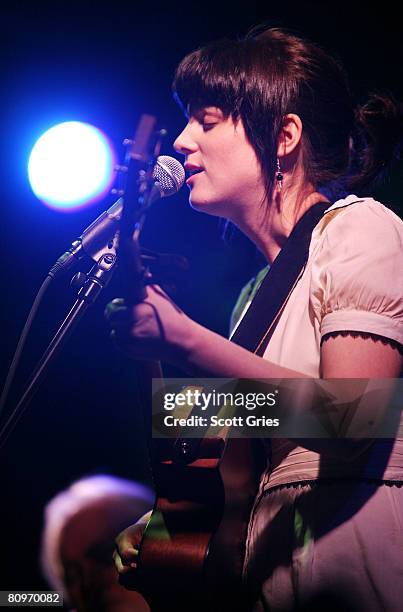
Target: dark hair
[(377, 140), (271, 73)]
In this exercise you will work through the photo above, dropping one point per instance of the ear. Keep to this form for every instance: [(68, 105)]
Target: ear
[(290, 135)]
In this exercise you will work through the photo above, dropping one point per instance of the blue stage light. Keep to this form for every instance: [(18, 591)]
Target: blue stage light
[(71, 165)]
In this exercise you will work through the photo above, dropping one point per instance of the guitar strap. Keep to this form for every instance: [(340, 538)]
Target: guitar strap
[(254, 328), (256, 324)]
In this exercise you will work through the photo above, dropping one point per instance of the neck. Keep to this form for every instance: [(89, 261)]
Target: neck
[(270, 228)]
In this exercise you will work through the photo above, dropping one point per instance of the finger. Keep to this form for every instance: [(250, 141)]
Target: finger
[(116, 302), (123, 569), (116, 311), (121, 316), (128, 555), (126, 551), (123, 566), (118, 562)]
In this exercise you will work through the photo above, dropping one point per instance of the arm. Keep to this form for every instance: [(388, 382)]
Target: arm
[(355, 356), (341, 357), (359, 357), (344, 356), (209, 354), (157, 328)]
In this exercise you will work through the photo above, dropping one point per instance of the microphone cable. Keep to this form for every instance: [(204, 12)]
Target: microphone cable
[(22, 340), (62, 264)]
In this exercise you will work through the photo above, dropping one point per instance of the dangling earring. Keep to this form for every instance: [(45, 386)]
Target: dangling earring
[(279, 176)]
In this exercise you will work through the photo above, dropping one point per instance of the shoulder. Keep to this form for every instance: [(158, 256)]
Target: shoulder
[(360, 222), (356, 234), (356, 269)]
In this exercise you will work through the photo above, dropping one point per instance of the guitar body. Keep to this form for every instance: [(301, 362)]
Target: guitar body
[(192, 552)]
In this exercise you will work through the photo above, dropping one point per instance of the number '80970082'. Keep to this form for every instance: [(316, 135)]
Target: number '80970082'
[(34, 598)]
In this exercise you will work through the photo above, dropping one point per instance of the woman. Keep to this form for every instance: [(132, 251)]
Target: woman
[(271, 132)]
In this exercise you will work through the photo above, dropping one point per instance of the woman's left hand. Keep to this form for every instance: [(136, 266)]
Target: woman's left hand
[(153, 329)]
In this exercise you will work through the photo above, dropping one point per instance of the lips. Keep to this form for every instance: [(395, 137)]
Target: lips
[(192, 169), (190, 180)]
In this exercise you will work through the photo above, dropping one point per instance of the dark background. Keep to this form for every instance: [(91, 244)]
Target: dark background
[(107, 65)]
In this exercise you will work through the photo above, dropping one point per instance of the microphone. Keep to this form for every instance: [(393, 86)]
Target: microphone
[(169, 176)]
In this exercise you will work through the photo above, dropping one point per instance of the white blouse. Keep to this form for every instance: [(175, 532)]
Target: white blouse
[(353, 281)]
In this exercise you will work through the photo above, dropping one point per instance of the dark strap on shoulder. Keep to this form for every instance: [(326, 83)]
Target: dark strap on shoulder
[(278, 282)]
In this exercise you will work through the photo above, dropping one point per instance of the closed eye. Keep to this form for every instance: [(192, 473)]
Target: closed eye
[(207, 126)]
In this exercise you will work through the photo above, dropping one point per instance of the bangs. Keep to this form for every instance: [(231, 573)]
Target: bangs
[(211, 76)]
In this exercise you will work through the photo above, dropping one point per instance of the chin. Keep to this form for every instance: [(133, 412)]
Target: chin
[(217, 209)]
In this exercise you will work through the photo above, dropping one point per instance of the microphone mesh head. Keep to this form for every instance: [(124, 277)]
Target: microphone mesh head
[(170, 175)]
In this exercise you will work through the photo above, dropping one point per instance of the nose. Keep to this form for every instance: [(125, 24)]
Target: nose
[(184, 143)]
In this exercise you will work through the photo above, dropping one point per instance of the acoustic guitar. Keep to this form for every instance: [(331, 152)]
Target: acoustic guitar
[(192, 552)]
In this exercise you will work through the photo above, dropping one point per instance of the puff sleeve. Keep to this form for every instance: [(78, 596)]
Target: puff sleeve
[(357, 272)]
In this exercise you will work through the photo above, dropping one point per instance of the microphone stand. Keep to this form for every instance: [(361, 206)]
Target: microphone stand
[(96, 280), (140, 194)]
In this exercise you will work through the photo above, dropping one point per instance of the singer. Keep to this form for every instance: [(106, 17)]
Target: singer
[(272, 132)]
